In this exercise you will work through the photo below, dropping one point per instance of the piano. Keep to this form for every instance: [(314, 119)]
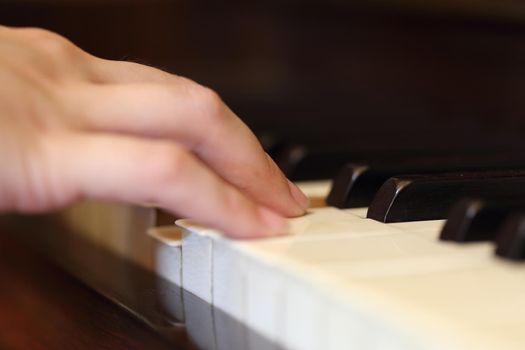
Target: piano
[(403, 124), (338, 280)]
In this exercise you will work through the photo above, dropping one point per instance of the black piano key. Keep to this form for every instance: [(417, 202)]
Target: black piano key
[(429, 197), (300, 162), (471, 220), (344, 194), (303, 163), (356, 183), (510, 241)]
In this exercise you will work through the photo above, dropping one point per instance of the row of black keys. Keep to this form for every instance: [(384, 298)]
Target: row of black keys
[(436, 188)]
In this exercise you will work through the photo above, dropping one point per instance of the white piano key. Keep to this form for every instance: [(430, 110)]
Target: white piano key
[(353, 328), (418, 226), (319, 188), (167, 252), (228, 278), (353, 248), (324, 223), (170, 299), (359, 212), (197, 260), (349, 329), (461, 296), (230, 295), (231, 333), (406, 265), (305, 314), (199, 322), (167, 256), (264, 295), (462, 307), (258, 342)]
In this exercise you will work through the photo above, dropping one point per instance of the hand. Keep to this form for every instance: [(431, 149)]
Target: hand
[(74, 126)]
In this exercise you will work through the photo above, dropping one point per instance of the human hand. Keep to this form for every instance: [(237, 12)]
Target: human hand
[(74, 126)]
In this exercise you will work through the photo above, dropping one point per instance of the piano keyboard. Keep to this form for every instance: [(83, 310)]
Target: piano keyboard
[(341, 281)]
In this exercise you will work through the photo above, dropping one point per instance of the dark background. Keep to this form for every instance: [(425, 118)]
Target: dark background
[(367, 76)]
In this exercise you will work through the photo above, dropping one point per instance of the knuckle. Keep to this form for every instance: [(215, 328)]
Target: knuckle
[(212, 103), (57, 46), (209, 103), (50, 42)]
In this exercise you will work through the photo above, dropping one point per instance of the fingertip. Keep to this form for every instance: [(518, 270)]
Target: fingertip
[(274, 224), (265, 224), (300, 198)]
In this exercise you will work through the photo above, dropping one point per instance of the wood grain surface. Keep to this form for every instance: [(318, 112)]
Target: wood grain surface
[(42, 307)]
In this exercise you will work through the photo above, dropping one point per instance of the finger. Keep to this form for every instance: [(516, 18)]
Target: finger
[(197, 118), (120, 168)]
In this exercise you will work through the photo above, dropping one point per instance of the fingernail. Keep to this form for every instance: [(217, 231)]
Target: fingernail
[(298, 195), (275, 223)]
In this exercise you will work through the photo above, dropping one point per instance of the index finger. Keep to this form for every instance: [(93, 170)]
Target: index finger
[(196, 117)]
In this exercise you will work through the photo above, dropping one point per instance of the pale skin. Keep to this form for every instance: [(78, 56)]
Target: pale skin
[(74, 126)]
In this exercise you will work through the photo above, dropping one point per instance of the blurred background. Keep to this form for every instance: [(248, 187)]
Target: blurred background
[(364, 77)]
